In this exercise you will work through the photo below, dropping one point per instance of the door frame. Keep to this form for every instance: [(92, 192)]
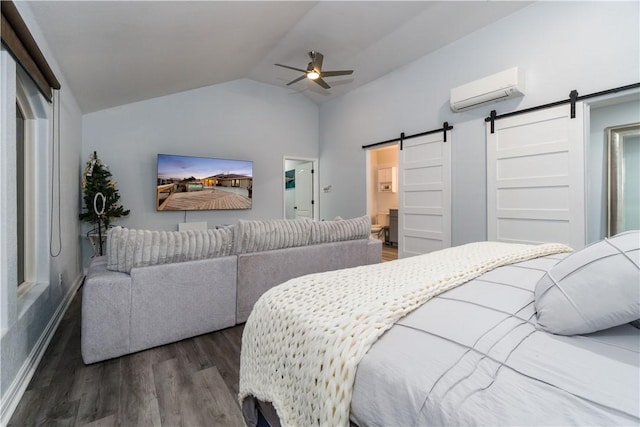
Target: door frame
[(370, 181), (315, 196)]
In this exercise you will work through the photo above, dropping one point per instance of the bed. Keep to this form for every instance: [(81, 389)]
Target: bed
[(542, 339)]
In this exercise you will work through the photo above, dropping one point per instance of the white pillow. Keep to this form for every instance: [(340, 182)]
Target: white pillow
[(595, 288), (268, 235), (340, 230), (129, 248)]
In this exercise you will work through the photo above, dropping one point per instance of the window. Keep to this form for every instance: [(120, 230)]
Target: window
[(31, 183), (25, 171), (24, 193)]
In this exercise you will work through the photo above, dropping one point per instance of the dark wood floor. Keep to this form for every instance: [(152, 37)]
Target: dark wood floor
[(190, 383), (389, 253), (193, 382)]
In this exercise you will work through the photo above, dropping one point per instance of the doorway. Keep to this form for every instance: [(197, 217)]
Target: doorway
[(300, 188), (382, 196)]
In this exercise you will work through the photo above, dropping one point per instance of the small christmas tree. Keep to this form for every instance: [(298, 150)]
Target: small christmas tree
[(99, 211)]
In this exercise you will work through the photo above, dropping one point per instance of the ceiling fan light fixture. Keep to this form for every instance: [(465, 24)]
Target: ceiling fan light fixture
[(314, 71)]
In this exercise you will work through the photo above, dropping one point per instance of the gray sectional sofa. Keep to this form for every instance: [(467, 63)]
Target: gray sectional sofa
[(154, 288)]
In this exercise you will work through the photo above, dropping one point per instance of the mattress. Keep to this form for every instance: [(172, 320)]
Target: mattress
[(475, 356)]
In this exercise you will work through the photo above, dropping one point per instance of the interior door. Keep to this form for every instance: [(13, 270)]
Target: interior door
[(424, 187), (535, 177), (304, 190)]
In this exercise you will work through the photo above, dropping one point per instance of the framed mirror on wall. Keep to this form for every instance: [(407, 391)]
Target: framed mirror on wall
[(624, 178)]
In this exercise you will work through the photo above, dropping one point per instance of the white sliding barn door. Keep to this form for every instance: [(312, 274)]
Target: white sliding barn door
[(535, 178), (424, 185)]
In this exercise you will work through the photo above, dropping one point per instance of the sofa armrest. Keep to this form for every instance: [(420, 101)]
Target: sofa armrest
[(374, 251), (106, 308)]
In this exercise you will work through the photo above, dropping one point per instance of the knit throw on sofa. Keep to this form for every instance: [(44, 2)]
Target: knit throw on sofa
[(304, 339)]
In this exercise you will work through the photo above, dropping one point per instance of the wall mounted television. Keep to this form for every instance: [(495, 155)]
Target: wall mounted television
[(187, 183)]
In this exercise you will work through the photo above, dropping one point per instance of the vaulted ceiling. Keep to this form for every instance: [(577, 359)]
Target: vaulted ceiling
[(118, 52)]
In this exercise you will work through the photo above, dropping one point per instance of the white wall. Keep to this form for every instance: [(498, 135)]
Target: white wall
[(28, 321), (561, 45), (242, 119)]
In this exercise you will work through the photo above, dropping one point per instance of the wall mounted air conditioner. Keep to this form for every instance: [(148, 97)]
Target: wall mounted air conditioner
[(497, 87)]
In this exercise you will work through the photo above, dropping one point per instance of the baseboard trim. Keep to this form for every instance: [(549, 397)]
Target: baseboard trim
[(19, 385)]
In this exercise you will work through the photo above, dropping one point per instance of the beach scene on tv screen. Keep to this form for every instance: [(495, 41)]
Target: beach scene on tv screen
[(200, 183)]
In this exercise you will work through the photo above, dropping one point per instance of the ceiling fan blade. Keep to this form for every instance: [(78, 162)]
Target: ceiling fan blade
[(291, 68), (336, 73), (314, 69), (296, 80), (316, 59), (322, 83)]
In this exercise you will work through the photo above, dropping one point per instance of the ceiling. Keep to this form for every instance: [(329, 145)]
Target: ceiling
[(117, 52)]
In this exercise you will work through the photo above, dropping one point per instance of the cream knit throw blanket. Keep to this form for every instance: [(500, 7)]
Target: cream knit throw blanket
[(304, 339)]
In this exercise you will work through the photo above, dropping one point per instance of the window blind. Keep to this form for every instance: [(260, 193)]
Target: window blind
[(20, 43)]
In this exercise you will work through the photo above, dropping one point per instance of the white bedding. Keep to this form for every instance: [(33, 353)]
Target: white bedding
[(304, 339), (474, 356)]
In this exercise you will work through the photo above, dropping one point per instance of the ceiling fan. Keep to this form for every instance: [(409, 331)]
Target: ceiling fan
[(314, 71)]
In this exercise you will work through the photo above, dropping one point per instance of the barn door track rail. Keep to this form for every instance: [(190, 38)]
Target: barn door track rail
[(573, 98), (445, 127)]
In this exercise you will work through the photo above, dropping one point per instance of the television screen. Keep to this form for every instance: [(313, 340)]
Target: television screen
[(187, 183)]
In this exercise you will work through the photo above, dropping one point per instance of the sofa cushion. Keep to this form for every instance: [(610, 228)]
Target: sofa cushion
[(259, 235), (128, 248), (340, 230)]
